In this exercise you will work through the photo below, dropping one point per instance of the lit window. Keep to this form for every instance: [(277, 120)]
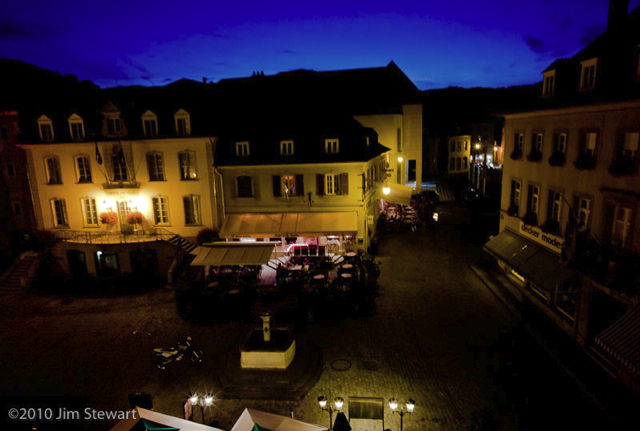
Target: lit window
[(590, 143), (59, 210), (192, 210), (89, 212), (245, 186), (332, 184), (182, 123), (155, 163), (549, 83), (288, 185), (630, 146), (76, 127), (160, 210), (150, 124), (54, 175), (588, 75), (187, 166), (83, 169), (242, 149), (119, 168), (45, 125), (332, 146), (286, 148)]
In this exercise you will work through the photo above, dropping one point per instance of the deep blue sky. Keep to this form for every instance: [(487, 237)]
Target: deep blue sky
[(491, 43)]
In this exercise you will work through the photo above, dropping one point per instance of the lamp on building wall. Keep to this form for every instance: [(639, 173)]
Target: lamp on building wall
[(400, 159)]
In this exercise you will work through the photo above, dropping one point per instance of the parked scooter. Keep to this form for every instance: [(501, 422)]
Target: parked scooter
[(184, 348)]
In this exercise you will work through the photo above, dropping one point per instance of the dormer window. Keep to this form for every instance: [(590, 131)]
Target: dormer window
[(242, 149), (331, 146), (45, 126), (588, 74), (182, 123), (150, 124), (549, 84), (286, 148), (113, 126), (76, 127)]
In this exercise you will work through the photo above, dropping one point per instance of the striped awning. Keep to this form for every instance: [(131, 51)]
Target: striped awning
[(233, 253), (398, 194), (289, 224), (621, 341), (535, 263)]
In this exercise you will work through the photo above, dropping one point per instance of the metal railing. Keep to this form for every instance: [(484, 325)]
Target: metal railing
[(104, 237)]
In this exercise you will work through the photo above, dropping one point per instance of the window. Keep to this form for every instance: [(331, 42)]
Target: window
[(10, 170), (76, 127), (182, 123), (588, 75), (155, 164), (52, 165), (89, 212), (150, 124), (554, 212), (17, 209), (45, 125), (192, 210), (453, 146), (466, 145), (583, 209), (537, 142), (464, 163), (458, 164), (119, 167), (288, 185), (160, 210), (549, 83), (59, 210), (590, 144), (514, 204), (533, 204), (113, 126), (459, 146), (332, 184), (588, 150), (519, 140), (452, 163), (559, 143), (630, 146), (187, 161), (83, 169), (621, 232), (244, 186), (242, 149), (286, 148), (332, 146)]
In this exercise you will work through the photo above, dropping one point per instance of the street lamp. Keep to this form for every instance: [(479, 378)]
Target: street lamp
[(202, 401), (338, 402), (409, 405)]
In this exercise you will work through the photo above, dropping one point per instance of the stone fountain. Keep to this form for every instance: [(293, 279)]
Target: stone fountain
[(267, 348)]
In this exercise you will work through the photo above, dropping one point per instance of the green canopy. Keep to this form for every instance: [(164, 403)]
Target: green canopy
[(257, 427), (153, 426)]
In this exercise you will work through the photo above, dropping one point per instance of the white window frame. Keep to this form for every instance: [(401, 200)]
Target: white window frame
[(59, 212), (584, 212), (152, 119), (286, 148), (556, 206), (182, 117), (591, 143), (519, 142), (155, 166), (53, 178), (45, 127), (561, 143), (195, 207), (83, 173), (622, 225), (549, 84), (187, 165), (588, 70), (76, 127), (89, 212), (242, 149), (332, 184), (114, 124), (332, 146), (630, 145), (517, 193), (539, 140), (160, 205), (535, 199)]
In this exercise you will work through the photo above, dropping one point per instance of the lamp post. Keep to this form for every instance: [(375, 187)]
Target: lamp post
[(409, 405), (202, 401), (338, 402)]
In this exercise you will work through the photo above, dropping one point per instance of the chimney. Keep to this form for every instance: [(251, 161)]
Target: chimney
[(617, 17)]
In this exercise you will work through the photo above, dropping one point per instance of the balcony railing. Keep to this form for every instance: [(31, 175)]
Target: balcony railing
[(103, 237)]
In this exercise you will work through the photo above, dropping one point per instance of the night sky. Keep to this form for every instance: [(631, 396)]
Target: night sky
[(491, 43)]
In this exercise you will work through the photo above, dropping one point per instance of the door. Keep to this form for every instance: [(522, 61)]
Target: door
[(123, 210), (107, 264), (77, 263), (144, 263), (412, 171)]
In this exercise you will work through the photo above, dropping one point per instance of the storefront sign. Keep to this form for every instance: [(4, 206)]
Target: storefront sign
[(550, 241), (122, 194)]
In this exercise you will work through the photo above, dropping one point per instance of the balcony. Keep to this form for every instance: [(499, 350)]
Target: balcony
[(104, 237), (120, 185), (534, 156)]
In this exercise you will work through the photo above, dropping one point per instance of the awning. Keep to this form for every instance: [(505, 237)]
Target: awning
[(231, 253), (158, 421), (535, 263), (399, 194), (289, 224), (620, 341), (249, 418)]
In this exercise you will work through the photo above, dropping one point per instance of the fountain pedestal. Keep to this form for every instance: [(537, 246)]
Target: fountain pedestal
[(267, 348)]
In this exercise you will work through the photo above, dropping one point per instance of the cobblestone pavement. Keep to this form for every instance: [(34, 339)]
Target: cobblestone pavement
[(430, 340)]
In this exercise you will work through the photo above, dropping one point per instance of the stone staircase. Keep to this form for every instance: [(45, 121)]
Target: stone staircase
[(20, 274), (182, 243)]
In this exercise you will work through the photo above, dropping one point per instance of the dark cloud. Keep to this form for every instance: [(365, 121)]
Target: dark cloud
[(167, 80), (536, 45), (288, 51), (588, 34), (13, 30)]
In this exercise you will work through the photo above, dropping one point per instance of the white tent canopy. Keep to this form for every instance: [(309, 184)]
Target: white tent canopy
[(161, 419), (250, 417)]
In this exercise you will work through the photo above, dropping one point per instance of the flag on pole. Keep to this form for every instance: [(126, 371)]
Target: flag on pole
[(121, 158), (98, 156)]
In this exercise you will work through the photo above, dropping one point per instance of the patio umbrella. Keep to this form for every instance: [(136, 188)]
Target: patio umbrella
[(341, 423)]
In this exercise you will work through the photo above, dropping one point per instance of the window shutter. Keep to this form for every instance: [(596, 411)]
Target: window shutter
[(529, 198), (550, 204), (188, 210), (319, 184), (300, 185), (344, 184), (609, 218), (277, 189)]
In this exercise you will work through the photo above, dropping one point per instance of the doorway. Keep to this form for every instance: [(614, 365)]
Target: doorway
[(77, 263), (123, 211), (107, 265)]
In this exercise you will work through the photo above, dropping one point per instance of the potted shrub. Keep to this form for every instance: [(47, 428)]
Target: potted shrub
[(135, 218), (109, 218), (557, 159), (206, 235), (516, 154)]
